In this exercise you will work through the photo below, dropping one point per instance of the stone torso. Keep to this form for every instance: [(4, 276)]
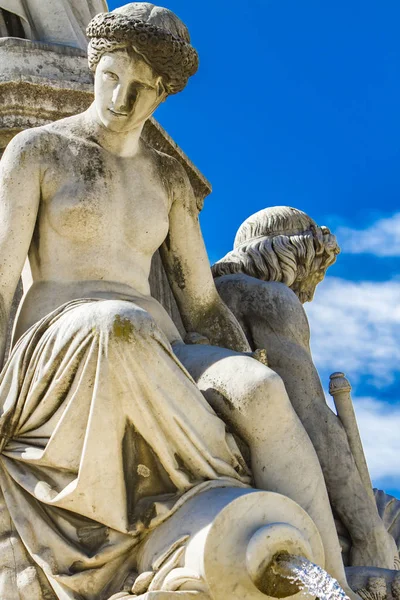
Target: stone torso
[(101, 218)]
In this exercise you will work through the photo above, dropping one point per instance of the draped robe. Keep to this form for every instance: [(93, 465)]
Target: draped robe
[(103, 435)]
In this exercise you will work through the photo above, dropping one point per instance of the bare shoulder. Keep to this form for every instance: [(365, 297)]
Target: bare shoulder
[(70, 127), (173, 170), (174, 177), (270, 302), (37, 147), (21, 170), (26, 147)]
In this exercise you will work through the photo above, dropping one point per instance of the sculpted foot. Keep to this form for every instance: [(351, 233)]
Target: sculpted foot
[(377, 550)]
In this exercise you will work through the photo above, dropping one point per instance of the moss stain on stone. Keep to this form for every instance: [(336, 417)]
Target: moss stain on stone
[(123, 328), (178, 273)]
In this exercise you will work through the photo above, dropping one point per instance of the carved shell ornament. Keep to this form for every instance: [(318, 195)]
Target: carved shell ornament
[(154, 32), (379, 589)]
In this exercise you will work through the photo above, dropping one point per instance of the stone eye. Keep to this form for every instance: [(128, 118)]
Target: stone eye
[(110, 75)]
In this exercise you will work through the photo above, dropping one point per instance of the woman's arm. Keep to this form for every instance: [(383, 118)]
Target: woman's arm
[(19, 200), (188, 270)]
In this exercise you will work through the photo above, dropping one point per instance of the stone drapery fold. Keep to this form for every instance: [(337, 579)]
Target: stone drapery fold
[(102, 438)]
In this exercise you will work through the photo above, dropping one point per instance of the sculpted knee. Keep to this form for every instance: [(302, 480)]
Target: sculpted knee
[(267, 383), (267, 394), (121, 321)]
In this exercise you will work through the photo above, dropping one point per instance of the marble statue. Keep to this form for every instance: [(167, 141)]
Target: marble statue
[(50, 21), (280, 255), (116, 436), (282, 244)]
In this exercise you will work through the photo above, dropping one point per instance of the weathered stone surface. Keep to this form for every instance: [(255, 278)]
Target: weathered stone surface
[(40, 83), (53, 21), (233, 560), (282, 244), (374, 584), (279, 257)]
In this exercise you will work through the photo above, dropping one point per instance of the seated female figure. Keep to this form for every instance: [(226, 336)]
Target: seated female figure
[(103, 429)]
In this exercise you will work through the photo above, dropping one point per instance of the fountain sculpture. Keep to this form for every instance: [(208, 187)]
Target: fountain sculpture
[(143, 454)]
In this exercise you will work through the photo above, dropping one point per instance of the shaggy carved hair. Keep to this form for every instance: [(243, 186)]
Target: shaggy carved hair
[(281, 244), (153, 32)]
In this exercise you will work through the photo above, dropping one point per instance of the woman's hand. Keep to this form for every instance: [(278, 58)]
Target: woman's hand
[(221, 328)]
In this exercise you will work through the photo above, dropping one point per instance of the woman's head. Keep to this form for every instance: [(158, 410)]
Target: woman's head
[(282, 244), (127, 90), (154, 33), (140, 54)]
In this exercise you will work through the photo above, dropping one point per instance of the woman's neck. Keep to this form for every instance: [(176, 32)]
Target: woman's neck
[(120, 143)]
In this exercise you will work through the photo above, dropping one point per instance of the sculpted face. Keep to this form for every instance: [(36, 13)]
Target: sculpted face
[(127, 90), (305, 289)]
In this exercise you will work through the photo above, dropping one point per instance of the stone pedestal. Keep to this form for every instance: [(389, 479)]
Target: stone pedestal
[(40, 83)]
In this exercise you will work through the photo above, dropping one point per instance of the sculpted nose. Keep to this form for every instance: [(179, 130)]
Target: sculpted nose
[(123, 99)]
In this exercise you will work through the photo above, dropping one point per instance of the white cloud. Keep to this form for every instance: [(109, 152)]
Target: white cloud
[(382, 238), (355, 327), (379, 425)]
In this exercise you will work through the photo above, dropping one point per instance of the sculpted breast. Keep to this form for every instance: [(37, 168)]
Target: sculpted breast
[(145, 223), (74, 190), (106, 205), (77, 212)]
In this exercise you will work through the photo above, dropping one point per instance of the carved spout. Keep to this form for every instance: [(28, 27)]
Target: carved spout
[(233, 540), (276, 580), (269, 573)]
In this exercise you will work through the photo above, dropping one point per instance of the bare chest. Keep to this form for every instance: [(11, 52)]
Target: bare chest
[(90, 196)]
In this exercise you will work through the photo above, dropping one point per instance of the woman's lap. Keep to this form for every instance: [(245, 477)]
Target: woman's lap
[(102, 420)]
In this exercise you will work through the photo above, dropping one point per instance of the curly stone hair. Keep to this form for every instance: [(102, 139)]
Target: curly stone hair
[(281, 244), (155, 33)]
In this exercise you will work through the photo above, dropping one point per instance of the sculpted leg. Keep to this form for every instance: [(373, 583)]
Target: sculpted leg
[(252, 399)]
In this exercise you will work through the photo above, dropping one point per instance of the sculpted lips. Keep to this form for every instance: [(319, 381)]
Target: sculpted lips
[(118, 114)]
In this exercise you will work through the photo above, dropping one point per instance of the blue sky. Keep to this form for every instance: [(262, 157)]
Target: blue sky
[(297, 103)]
